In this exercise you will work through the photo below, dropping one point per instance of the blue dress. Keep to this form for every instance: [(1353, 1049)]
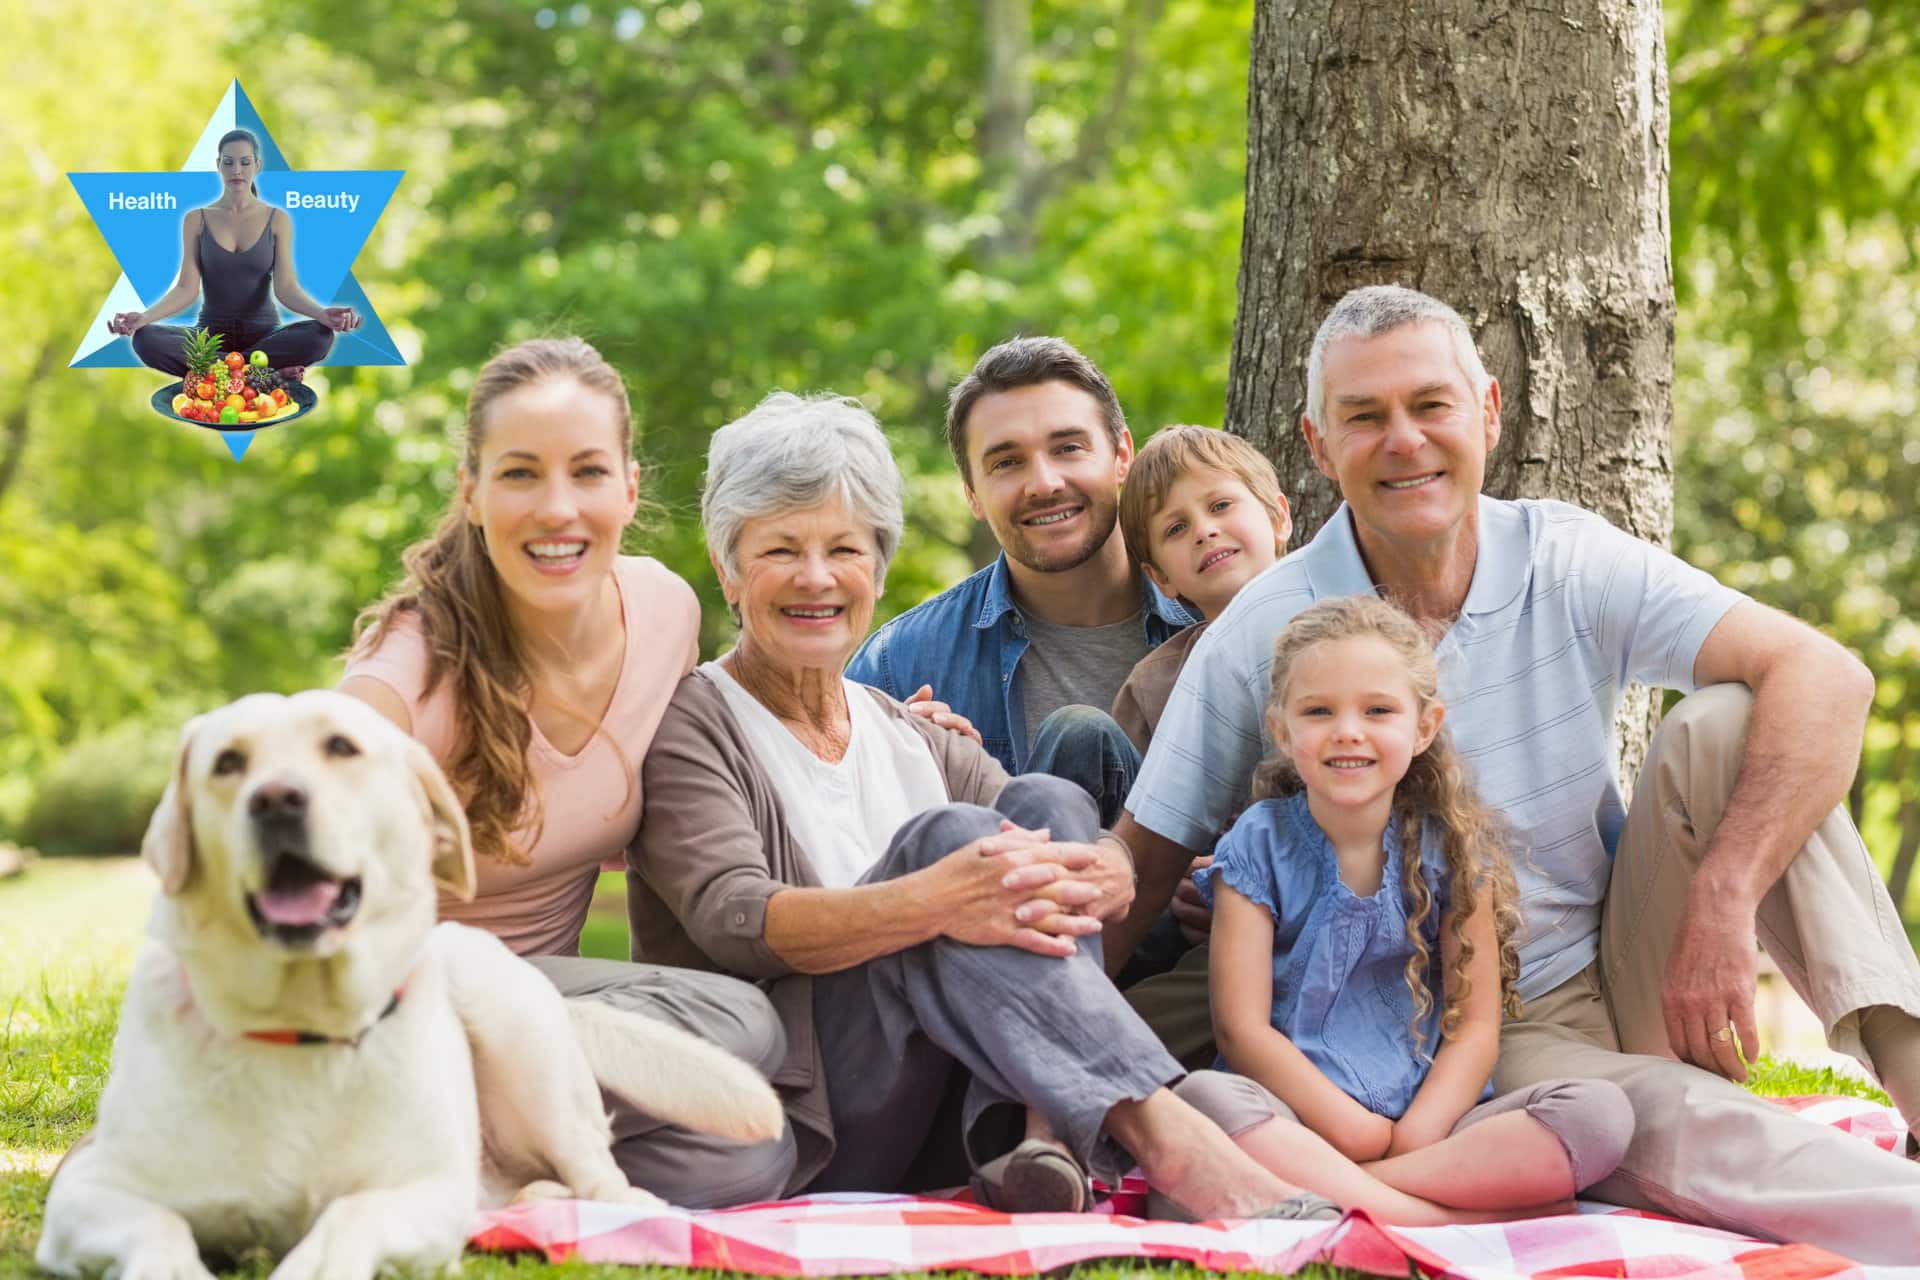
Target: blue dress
[(1340, 960)]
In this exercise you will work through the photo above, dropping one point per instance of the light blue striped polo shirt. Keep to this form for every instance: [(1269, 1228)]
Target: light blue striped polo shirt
[(1564, 610)]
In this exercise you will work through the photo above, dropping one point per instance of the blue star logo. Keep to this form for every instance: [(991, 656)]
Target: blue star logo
[(140, 215)]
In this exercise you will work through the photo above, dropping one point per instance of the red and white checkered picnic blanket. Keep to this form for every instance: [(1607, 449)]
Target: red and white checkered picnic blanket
[(870, 1235)]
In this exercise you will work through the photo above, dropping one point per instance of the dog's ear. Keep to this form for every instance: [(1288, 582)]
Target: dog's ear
[(168, 844), (452, 845)]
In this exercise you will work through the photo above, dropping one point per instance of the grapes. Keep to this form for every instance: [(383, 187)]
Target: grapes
[(263, 380)]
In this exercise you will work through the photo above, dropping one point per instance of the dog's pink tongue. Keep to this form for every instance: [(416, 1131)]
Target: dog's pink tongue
[(308, 904)]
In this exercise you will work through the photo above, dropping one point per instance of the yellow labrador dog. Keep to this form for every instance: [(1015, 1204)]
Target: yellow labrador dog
[(307, 1063)]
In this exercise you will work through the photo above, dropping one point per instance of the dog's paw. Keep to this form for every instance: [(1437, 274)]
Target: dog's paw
[(157, 1255), (148, 1267), (166, 1264), (359, 1235), (545, 1189), (171, 1269), (329, 1253), (628, 1195)]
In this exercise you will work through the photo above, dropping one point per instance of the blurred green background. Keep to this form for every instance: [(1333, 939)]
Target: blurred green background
[(732, 197)]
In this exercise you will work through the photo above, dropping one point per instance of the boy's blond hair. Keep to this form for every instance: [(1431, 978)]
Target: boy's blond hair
[(1174, 451)]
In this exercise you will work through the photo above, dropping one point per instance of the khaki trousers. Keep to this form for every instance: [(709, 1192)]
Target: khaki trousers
[(1704, 1148), (1174, 1004)]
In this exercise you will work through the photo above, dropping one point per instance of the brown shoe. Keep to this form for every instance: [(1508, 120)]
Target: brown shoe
[(1038, 1176)]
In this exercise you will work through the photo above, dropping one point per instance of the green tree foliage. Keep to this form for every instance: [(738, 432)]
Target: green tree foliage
[(1788, 115), (1796, 187), (728, 199)]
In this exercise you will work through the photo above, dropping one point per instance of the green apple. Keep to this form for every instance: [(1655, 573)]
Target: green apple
[(258, 359), (229, 415)]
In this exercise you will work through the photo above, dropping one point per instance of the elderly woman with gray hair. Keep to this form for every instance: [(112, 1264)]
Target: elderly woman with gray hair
[(913, 913)]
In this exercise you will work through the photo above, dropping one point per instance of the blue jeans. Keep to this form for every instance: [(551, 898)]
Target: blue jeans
[(1085, 746)]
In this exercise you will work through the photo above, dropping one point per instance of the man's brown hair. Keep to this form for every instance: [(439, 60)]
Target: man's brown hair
[(1172, 452), (1028, 362)]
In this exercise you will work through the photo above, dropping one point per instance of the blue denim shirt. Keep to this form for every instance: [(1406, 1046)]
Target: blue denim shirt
[(967, 641), (1340, 960)]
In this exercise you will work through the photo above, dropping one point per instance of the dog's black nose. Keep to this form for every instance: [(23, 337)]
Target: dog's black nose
[(277, 801)]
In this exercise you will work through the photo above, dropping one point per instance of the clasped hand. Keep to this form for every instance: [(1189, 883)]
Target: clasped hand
[(1019, 888)]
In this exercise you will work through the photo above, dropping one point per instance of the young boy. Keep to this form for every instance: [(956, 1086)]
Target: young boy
[(1202, 514)]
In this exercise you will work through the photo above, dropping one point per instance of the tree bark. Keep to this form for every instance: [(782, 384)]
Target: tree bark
[(1005, 155), (1509, 160)]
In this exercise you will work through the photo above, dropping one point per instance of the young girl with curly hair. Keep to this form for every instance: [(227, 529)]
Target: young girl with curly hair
[(1363, 939)]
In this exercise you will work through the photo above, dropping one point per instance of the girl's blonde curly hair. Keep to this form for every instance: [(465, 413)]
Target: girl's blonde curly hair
[(1435, 788)]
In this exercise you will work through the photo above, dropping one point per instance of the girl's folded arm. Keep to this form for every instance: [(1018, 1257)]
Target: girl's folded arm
[(1464, 1061), (1240, 978)]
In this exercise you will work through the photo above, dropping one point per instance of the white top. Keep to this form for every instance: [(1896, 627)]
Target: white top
[(1563, 611), (844, 814)]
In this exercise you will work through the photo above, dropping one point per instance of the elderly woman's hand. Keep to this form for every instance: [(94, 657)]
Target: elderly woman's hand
[(1065, 891), (926, 706), (1013, 889)]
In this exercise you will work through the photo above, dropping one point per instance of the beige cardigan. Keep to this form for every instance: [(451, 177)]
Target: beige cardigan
[(713, 846)]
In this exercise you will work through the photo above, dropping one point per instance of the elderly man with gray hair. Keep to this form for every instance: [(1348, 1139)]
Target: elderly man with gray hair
[(913, 913), (1638, 959)]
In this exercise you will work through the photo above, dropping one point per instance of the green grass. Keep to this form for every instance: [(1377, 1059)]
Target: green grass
[(68, 931), (605, 932)]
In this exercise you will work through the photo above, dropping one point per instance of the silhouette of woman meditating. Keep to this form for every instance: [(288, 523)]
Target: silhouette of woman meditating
[(239, 249)]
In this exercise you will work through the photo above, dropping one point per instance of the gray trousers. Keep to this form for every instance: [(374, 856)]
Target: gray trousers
[(1029, 1030), (692, 1170)]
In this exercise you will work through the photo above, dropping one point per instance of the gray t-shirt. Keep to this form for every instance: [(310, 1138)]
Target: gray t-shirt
[(1067, 665)]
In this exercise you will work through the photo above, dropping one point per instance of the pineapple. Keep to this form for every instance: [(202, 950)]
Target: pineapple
[(202, 351)]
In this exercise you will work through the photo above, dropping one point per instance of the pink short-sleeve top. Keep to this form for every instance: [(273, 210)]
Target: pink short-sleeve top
[(590, 800)]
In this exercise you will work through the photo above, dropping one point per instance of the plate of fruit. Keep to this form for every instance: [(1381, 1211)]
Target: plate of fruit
[(229, 391)]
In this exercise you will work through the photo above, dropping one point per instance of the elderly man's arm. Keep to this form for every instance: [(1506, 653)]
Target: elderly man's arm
[(1810, 704), (1158, 865)]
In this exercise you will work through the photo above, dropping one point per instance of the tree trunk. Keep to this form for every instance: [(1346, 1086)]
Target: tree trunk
[(1509, 160), (1006, 158)]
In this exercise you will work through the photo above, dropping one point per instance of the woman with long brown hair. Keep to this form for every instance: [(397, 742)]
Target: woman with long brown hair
[(534, 660)]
